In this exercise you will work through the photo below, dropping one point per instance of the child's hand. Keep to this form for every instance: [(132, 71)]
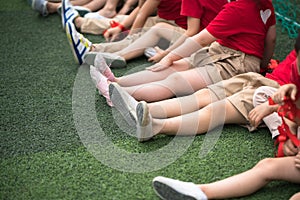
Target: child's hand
[(160, 54), (259, 112), (112, 34), (288, 90), (163, 64), (289, 148)]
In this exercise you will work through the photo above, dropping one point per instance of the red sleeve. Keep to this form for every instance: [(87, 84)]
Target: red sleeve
[(191, 8), (222, 25)]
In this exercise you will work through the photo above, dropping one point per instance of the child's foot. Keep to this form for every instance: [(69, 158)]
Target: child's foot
[(40, 6), (94, 58), (170, 189), (101, 83), (107, 13), (112, 60)]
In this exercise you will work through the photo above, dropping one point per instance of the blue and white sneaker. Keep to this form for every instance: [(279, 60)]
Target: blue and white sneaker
[(68, 12), (82, 11), (40, 6), (79, 44)]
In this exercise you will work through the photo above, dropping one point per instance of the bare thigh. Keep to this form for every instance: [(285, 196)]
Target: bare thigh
[(146, 76)]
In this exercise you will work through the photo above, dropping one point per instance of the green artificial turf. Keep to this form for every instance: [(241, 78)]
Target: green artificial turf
[(51, 146)]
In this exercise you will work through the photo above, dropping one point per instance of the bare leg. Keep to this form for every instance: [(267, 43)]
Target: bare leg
[(149, 39), (80, 2), (94, 5), (128, 5), (109, 9), (182, 105), (179, 83), (200, 121), (295, 196), (149, 76), (52, 7), (252, 180)]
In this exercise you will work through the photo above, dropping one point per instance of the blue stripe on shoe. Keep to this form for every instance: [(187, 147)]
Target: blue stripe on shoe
[(78, 54), (64, 11)]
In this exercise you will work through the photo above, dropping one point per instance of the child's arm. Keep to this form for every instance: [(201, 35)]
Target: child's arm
[(193, 28), (288, 90), (186, 49), (111, 34), (148, 8), (269, 47), (257, 114)]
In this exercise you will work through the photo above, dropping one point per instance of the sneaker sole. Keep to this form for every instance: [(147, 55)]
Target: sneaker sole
[(111, 62), (72, 43), (168, 193), (121, 105), (143, 119), (142, 112)]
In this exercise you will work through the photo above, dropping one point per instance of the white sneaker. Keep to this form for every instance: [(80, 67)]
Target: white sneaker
[(79, 44), (124, 103), (96, 59), (101, 84), (112, 60), (68, 12), (40, 6), (170, 189), (144, 125)]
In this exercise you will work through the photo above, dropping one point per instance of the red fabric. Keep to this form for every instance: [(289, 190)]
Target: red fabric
[(295, 77), (290, 111), (282, 72), (240, 26), (206, 10), (170, 10), (115, 24)]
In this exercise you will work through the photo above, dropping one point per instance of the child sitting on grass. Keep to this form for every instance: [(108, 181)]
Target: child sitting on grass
[(265, 171)]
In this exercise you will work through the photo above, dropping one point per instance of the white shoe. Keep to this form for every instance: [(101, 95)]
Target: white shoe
[(170, 189), (101, 84), (79, 44), (40, 6), (144, 125), (68, 12), (112, 60), (124, 103)]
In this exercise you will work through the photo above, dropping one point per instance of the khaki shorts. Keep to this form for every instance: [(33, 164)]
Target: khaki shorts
[(97, 26), (222, 62), (240, 89)]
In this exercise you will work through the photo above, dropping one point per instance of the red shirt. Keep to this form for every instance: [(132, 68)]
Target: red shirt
[(282, 73), (242, 25), (295, 77), (205, 10), (170, 10)]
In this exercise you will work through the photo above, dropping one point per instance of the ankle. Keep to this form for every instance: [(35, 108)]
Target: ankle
[(77, 22)]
